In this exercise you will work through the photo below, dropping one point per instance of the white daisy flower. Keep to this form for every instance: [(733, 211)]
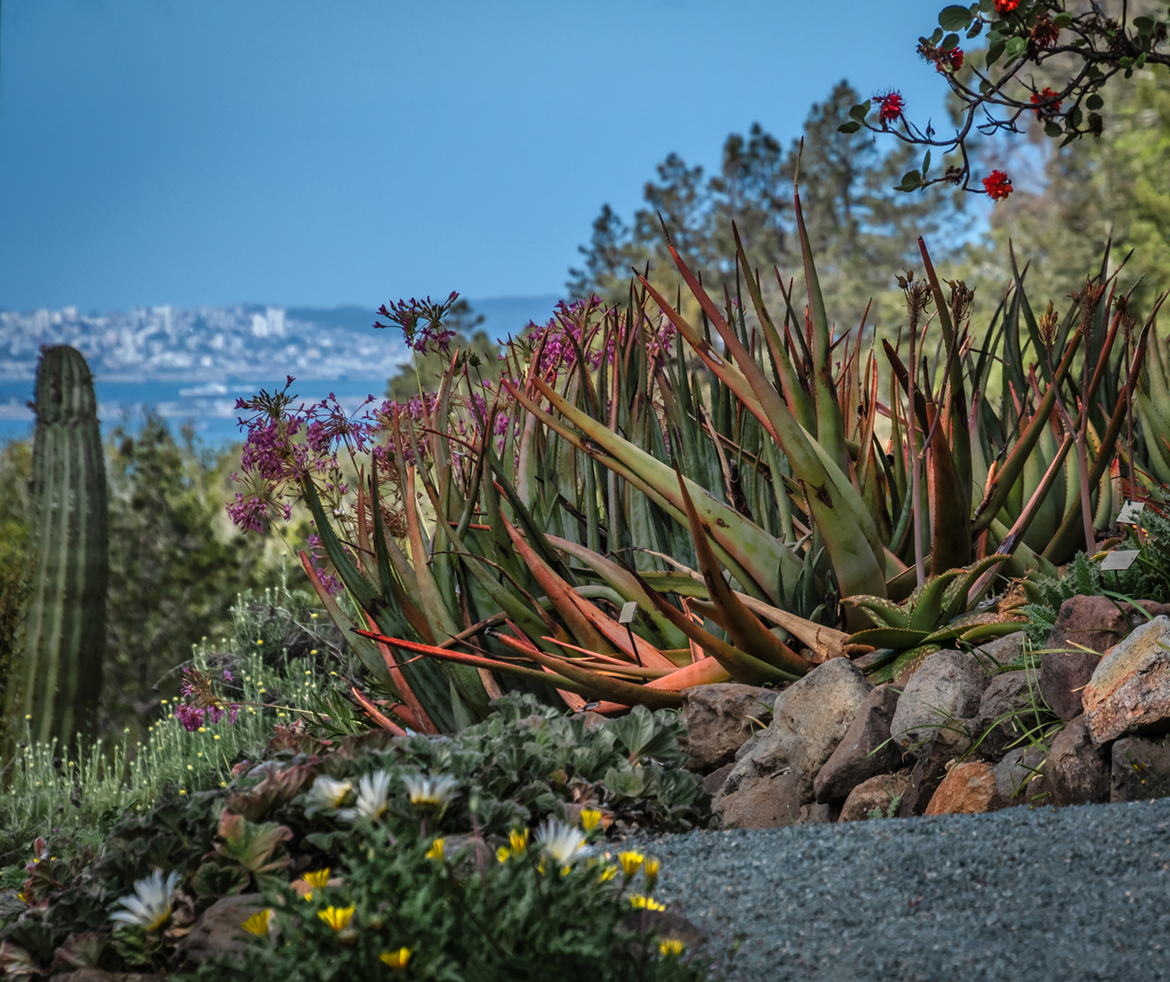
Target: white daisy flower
[(371, 797), (150, 904), (563, 843), (430, 793), (327, 794)]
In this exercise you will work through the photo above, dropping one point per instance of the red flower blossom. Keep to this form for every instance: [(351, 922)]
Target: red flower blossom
[(1044, 108), (949, 62), (997, 185), (891, 106), (1045, 33), (1006, 6)]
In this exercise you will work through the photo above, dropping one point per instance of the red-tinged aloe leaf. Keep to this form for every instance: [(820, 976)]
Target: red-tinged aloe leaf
[(705, 671), (573, 700), (950, 503), (743, 547), (473, 661), (563, 597), (619, 578), (365, 652), (739, 664), (565, 674), (467, 684), (850, 535), (376, 714), (794, 394), (615, 666), (1000, 486), (611, 634), (954, 419), (830, 425), (1064, 543), (747, 633), (405, 692)]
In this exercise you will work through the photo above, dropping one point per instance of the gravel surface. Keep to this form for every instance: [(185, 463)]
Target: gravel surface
[(1018, 895)]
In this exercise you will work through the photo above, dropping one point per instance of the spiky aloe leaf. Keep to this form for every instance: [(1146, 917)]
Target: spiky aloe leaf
[(906, 664), (883, 612), (898, 638)]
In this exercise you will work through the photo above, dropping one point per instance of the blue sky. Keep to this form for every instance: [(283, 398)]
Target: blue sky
[(305, 152)]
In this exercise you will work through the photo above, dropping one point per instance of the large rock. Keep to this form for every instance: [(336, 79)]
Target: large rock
[(1130, 689), (880, 792), (1020, 778), (719, 718), (967, 789), (219, 931), (944, 748), (776, 768), (1141, 769), (1063, 677), (1077, 771), (765, 802), (858, 757), (998, 653), (1097, 622), (1015, 695), (945, 691)]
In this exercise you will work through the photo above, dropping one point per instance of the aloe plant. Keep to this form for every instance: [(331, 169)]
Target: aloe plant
[(652, 500), (57, 683)]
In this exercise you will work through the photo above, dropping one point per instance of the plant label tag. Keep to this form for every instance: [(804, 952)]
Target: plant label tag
[(629, 612), (1120, 559), (1130, 511)]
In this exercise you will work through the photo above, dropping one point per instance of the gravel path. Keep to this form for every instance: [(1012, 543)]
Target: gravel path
[(1019, 895)]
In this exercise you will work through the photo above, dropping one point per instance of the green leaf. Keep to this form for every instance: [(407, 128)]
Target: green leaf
[(950, 42), (987, 6), (860, 111), (926, 164), (954, 18), (1063, 19), (984, 86), (211, 880), (851, 127), (994, 52), (1016, 47), (911, 180), (1145, 25), (898, 638), (1053, 130), (1094, 101), (936, 36)]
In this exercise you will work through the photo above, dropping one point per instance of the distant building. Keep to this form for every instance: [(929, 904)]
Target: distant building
[(275, 320)]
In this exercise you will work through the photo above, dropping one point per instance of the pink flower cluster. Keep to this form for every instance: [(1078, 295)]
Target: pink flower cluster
[(203, 703)]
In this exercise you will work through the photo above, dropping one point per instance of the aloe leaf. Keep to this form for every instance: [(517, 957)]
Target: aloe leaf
[(883, 612), (898, 638), (830, 426), (746, 632), (927, 609), (906, 664)]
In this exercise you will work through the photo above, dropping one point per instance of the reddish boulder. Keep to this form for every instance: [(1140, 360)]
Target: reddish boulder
[(1130, 688), (1077, 770), (967, 789)]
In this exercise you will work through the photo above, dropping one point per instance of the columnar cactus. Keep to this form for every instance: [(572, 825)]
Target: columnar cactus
[(57, 685)]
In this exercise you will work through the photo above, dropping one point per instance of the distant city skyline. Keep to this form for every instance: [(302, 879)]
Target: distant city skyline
[(297, 153)]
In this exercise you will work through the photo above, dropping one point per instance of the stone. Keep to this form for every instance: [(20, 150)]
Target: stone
[(1020, 778), (715, 780), (946, 690), (1000, 652), (880, 792), (857, 757), (774, 771), (945, 747), (719, 718), (967, 789), (1141, 769), (1063, 677), (1077, 771), (817, 813), (1130, 688), (219, 931), (766, 802), (1097, 622), (1015, 693)]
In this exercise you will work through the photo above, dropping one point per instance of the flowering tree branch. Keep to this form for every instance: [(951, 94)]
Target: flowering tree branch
[(1089, 46)]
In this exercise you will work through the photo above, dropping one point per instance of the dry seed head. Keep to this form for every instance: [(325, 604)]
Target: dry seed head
[(1047, 326), (959, 301), (1088, 299), (918, 297), (1127, 318)]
